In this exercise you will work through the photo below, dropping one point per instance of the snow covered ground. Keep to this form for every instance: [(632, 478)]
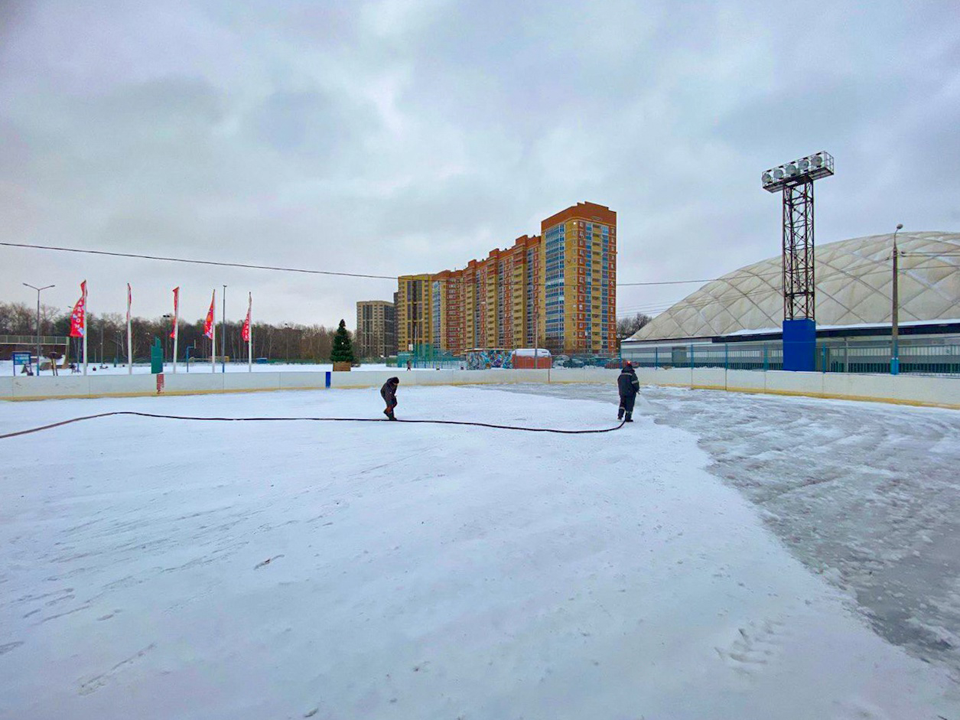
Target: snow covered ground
[(866, 494), (166, 569)]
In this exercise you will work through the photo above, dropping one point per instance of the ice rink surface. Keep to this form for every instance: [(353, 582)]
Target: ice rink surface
[(867, 494), (171, 569)]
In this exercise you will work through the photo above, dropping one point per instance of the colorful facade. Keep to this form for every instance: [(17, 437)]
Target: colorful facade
[(580, 279), (555, 290), (413, 312)]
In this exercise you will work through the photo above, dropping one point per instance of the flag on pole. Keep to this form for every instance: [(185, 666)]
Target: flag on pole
[(208, 323), (129, 332), (176, 311), (78, 318), (245, 331)]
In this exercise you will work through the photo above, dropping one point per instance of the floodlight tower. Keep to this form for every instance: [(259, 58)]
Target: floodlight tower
[(795, 180)]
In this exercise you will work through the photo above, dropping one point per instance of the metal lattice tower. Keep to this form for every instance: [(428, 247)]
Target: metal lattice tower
[(799, 282), (795, 181)]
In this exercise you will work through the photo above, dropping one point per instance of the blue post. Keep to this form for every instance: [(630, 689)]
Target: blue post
[(691, 356), (656, 357), (328, 374)]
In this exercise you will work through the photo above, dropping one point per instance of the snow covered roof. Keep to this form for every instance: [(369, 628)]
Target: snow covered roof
[(853, 288), (530, 352)]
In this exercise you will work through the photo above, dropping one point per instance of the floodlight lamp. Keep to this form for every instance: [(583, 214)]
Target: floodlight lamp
[(817, 161), (778, 174), (791, 169), (804, 165), (767, 178)]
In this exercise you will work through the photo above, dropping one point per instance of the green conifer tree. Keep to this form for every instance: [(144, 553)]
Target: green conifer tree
[(342, 346)]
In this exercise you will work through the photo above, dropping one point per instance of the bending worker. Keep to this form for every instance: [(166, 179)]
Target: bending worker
[(389, 394), (629, 386)]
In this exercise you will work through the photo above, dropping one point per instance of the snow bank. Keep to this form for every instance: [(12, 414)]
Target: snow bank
[(159, 569)]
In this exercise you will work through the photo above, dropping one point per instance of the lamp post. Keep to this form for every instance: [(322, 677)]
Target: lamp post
[(168, 316), (39, 290), (223, 333), (895, 315)]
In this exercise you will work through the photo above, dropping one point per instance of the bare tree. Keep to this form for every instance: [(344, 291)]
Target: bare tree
[(627, 326)]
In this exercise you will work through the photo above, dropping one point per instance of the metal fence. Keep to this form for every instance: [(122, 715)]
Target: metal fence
[(31, 340), (928, 356)]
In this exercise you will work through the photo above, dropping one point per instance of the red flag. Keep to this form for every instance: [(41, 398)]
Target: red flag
[(208, 323), (129, 301), (245, 332), (176, 311), (78, 318)]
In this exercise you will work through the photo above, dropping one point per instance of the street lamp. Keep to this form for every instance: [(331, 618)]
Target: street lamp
[(895, 324), (39, 290), (223, 333), (168, 316)]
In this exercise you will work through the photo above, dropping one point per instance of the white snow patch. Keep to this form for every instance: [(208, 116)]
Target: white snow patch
[(161, 568)]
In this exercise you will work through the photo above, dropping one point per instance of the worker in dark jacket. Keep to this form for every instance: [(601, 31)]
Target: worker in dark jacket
[(629, 386), (389, 394)]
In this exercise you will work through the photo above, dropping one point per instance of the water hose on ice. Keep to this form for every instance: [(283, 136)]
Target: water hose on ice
[(306, 419)]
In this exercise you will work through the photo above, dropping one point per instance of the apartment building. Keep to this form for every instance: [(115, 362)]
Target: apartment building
[(413, 311), (580, 279), (446, 311), (555, 290), (376, 329)]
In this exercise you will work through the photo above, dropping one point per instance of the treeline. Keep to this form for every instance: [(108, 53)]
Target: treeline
[(107, 336)]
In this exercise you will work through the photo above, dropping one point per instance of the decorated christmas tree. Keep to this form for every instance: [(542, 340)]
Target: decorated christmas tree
[(342, 347)]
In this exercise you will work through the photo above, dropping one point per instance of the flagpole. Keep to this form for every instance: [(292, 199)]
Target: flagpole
[(129, 333), (213, 335), (176, 326), (86, 325)]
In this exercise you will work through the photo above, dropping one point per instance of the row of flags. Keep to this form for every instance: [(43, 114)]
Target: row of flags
[(78, 318), (78, 324)]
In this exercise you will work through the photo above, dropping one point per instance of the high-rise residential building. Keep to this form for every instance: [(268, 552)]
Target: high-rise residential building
[(580, 279), (446, 311), (555, 290), (376, 328), (413, 312)]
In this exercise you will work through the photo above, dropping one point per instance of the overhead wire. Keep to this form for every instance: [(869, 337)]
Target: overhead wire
[(707, 300), (245, 266), (652, 308)]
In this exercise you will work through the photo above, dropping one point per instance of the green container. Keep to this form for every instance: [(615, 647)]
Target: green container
[(156, 357)]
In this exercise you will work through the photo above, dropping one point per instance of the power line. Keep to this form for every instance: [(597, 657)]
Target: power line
[(199, 262), (307, 271), (666, 282), (251, 266), (726, 294)]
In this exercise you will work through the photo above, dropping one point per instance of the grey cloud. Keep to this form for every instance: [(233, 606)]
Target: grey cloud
[(394, 136)]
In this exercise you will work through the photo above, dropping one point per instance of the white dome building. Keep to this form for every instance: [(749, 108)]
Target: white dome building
[(853, 286)]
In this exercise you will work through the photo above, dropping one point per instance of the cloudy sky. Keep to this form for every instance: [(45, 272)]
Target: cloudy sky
[(403, 136)]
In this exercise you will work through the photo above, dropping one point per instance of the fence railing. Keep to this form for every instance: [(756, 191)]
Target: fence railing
[(32, 340), (940, 356)]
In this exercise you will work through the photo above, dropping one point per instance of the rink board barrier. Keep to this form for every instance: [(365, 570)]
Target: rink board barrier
[(904, 389)]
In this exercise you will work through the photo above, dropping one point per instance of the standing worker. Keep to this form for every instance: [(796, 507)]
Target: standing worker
[(389, 394), (629, 386)]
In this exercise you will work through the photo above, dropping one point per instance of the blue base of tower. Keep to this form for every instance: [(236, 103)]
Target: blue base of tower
[(799, 345)]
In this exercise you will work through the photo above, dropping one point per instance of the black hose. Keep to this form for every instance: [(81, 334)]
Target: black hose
[(305, 419)]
